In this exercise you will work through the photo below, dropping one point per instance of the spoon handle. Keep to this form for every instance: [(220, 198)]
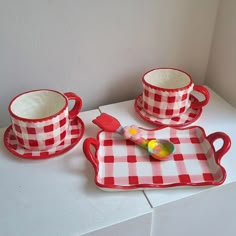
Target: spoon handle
[(158, 150), (133, 133), (111, 124)]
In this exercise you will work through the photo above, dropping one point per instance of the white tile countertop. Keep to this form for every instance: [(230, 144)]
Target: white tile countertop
[(57, 196), (185, 206)]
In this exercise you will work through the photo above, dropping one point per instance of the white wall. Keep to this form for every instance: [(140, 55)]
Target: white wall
[(99, 49), (221, 74)]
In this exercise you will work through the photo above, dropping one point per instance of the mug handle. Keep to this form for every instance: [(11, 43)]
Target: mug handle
[(78, 104), (199, 104)]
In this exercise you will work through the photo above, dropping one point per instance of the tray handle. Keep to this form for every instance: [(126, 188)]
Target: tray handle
[(225, 146), (88, 142)]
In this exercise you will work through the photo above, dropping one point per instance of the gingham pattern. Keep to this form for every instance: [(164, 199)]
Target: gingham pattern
[(190, 116), (75, 133), (41, 135), (121, 163), (165, 104)]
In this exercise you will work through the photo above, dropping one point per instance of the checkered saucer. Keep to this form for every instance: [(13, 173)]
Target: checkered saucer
[(187, 118), (119, 164), (76, 131)]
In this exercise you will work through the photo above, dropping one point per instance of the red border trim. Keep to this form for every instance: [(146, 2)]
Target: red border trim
[(167, 89), (40, 119)]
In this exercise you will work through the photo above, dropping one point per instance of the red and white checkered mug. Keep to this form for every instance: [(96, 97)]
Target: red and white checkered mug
[(166, 92), (40, 118)]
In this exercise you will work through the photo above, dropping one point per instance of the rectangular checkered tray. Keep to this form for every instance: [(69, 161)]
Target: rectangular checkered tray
[(121, 165)]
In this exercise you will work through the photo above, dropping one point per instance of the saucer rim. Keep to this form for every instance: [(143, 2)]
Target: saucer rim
[(165, 125), (45, 153)]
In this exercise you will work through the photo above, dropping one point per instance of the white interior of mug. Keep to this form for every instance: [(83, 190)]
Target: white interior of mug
[(38, 104), (167, 78)]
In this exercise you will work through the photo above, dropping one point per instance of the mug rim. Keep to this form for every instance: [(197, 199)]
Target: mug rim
[(34, 120), (168, 89)]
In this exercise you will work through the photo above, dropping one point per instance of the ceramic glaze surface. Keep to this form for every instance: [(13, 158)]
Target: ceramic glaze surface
[(119, 164), (38, 104), (191, 115), (166, 92), (41, 118), (74, 135), (167, 78)]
